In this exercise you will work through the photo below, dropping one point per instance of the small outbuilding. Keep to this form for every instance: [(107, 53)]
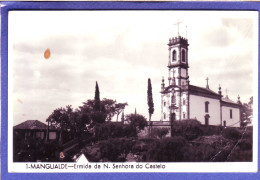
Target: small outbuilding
[(35, 129)]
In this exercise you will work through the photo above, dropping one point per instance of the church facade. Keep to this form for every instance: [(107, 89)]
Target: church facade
[(181, 101)]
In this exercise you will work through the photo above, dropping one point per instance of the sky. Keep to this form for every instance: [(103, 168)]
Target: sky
[(121, 50)]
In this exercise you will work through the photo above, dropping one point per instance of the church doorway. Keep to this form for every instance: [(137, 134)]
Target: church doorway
[(173, 117), (207, 119)]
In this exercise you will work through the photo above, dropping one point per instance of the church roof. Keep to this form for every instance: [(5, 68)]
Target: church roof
[(31, 124), (227, 101), (196, 90)]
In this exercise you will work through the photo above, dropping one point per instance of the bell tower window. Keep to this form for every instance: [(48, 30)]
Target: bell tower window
[(173, 55), (183, 56)]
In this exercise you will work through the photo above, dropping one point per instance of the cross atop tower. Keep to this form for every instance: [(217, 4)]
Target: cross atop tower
[(207, 86), (178, 23), (226, 93)]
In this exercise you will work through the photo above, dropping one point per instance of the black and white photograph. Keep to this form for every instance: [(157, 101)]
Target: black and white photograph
[(173, 87)]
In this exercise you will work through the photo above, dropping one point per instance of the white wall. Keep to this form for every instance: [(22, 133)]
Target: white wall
[(166, 98), (183, 72), (197, 109), (235, 121)]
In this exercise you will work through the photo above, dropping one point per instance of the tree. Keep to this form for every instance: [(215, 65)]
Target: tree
[(137, 122), (119, 107), (123, 117), (150, 99), (108, 108), (97, 99), (150, 103), (60, 118), (246, 112)]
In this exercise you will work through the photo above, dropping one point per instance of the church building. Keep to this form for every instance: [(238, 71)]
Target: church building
[(181, 101)]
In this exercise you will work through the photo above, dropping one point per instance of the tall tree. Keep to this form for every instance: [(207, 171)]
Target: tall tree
[(150, 99), (97, 98)]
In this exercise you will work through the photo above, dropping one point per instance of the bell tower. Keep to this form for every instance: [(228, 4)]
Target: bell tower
[(178, 60), (175, 92)]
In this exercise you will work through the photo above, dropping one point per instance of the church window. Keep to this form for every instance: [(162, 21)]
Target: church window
[(230, 113), (173, 100), (225, 123), (184, 103), (206, 106), (183, 115), (164, 116), (183, 55), (173, 55), (164, 103)]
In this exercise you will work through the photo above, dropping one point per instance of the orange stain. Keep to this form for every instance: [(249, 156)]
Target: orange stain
[(20, 101), (47, 53)]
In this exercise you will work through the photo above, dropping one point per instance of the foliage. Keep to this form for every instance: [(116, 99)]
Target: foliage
[(112, 130), (189, 129), (112, 149), (166, 150), (32, 150), (119, 107), (198, 152), (137, 122), (208, 130), (231, 133), (246, 112), (109, 108), (123, 117), (160, 132), (97, 106), (150, 99)]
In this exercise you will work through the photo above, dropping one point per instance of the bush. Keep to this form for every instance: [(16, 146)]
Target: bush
[(189, 129), (112, 149), (231, 133), (159, 132), (209, 130), (112, 130), (198, 152), (245, 144), (166, 150)]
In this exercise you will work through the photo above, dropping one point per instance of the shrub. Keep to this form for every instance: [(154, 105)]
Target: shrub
[(245, 144), (198, 152), (112, 149), (231, 133), (208, 130), (166, 150), (112, 130), (159, 132), (189, 129)]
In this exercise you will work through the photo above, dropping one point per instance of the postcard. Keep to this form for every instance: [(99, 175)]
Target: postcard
[(132, 91)]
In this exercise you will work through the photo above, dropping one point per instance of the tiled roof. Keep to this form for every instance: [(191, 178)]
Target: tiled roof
[(202, 90), (31, 124), (227, 100)]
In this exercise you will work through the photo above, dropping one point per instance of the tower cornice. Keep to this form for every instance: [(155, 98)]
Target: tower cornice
[(178, 40), (182, 65)]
